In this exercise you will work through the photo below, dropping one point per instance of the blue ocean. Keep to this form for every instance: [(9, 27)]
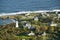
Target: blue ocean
[(7, 6)]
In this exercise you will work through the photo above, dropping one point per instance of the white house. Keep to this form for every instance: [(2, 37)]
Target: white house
[(44, 34), (53, 24), (31, 34), (36, 18), (28, 25)]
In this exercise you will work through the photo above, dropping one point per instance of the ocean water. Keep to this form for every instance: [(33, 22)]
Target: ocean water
[(28, 5), (6, 21)]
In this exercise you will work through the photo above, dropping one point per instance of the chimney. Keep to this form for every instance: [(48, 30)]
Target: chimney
[(17, 24)]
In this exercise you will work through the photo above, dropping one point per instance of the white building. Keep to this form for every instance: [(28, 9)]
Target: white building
[(17, 24), (44, 34), (36, 19), (53, 24), (31, 34), (28, 25)]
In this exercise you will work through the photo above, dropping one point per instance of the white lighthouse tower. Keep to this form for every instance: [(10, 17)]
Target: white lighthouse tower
[(17, 24)]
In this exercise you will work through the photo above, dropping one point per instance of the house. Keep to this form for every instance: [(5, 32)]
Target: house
[(27, 25), (31, 34), (53, 24), (36, 18), (44, 34)]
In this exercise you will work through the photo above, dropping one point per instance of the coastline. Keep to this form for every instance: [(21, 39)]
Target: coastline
[(24, 12)]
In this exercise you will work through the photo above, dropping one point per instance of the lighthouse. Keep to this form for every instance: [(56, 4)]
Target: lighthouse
[(17, 24)]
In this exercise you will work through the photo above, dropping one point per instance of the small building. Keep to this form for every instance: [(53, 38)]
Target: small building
[(17, 24), (53, 24), (28, 25), (44, 34), (36, 18), (23, 39), (31, 34)]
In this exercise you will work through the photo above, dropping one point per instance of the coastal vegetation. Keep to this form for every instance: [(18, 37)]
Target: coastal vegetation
[(37, 23)]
